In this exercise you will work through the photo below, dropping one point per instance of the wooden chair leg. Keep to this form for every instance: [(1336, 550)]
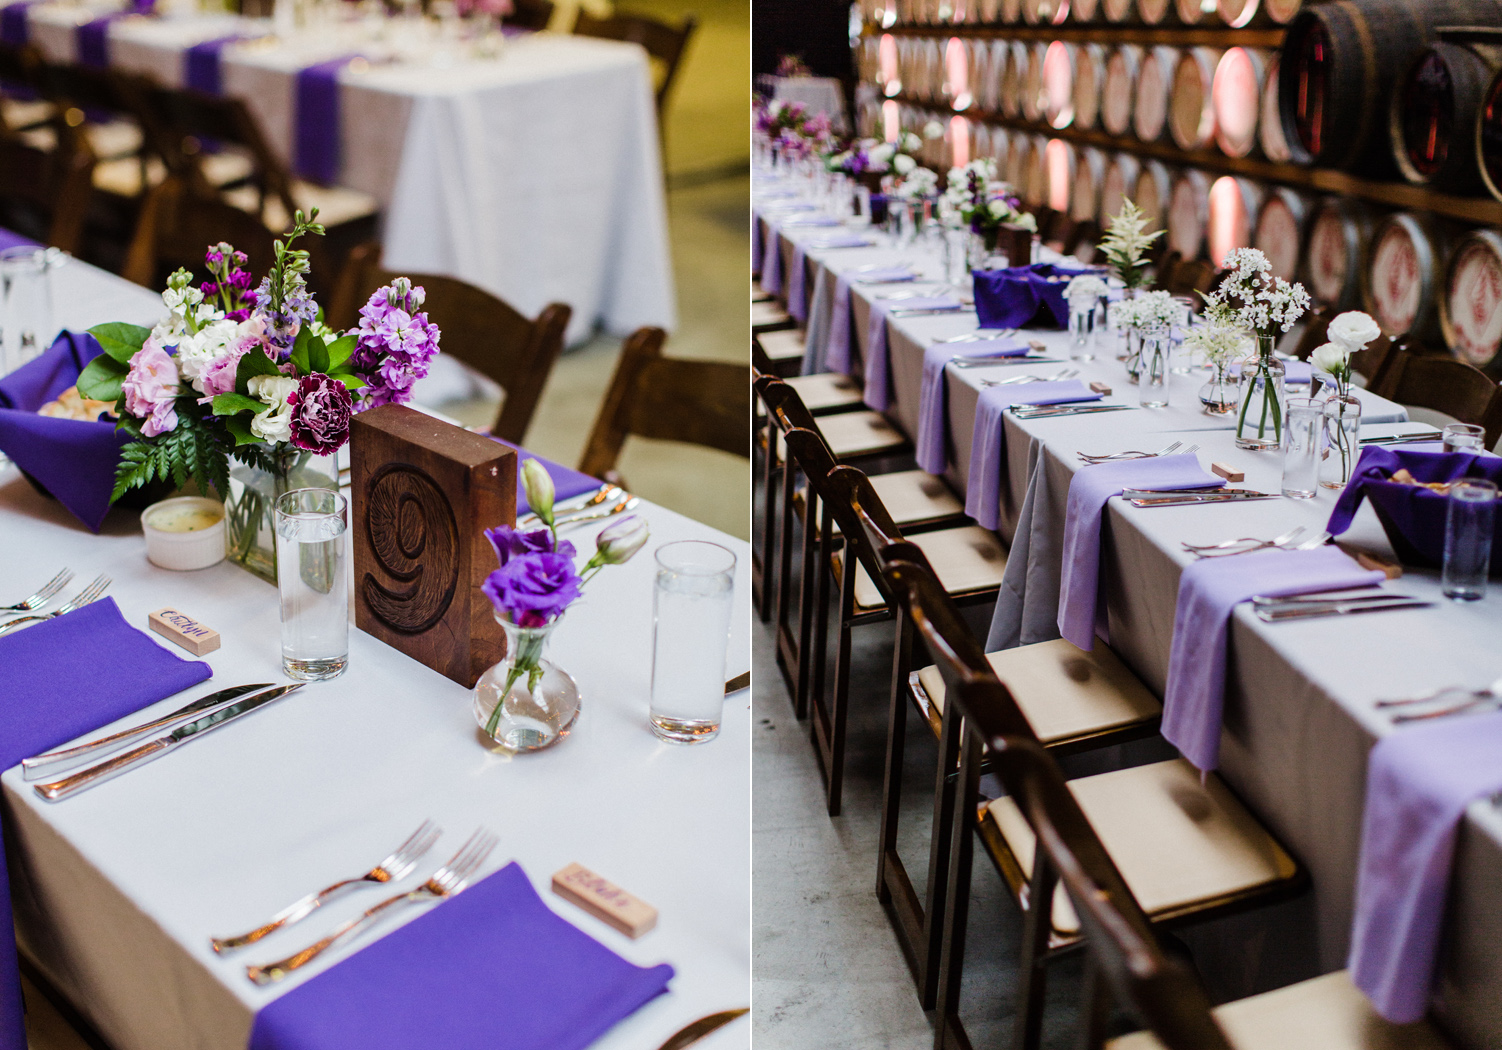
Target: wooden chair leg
[(834, 727), (1095, 1006), (820, 657), (1032, 971), (949, 1033), (891, 781), (807, 583), (787, 660), (946, 797), (765, 549)]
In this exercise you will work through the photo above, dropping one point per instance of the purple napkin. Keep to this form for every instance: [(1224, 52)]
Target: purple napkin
[(14, 240), (988, 452), (839, 355), (567, 482), (933, 398), (771, 260), (91, 42), (878, 359), (1019, 296), (72, 459), (797, 295), (204, 66), (1089, 490), (14, 27), (756, 242), (1419, 781), (43, 705), (315, 147), (1208, 591), (1295, 373), (492, 968)]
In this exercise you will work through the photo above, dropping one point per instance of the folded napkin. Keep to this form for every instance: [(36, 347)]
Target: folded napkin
[(1019, 296), (771, 259), (1208, 591), (841, 240), (43, 703), (492, 968), (14, 27), (1089, 490), (91, 42), (811, 220), (14, 240), (797, 295), (933, 398), (988, 453), (878, 392), (1295, 373), (203, 64), (1419, 781), (839, 354), (315, 147), (567, 482)]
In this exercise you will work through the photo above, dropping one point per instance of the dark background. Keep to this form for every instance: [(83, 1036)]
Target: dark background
[(819, 30)]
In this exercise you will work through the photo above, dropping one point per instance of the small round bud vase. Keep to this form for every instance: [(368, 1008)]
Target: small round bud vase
[(1259, 424), (1220, 394), (525, 702), (1342, 441)]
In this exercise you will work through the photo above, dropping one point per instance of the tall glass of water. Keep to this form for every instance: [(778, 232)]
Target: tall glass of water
[(1468, 539), (1082, 328), (1464, 437), (691, 607), (25, 305), (312, 569), (1303, 439)]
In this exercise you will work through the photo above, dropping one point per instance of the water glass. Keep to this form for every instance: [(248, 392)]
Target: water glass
[(691, 607), (1463, 437), (1468, 539), (1303, 435), (312, 569), (957, 257), (1152, 380), (862, 217), (25, 305), (1082, 330)]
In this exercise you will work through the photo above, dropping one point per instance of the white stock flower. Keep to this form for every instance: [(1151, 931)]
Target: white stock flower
[(933, 130), (902, 164), (1085, 288), (1353, 330), (276, 424), (197, 351)]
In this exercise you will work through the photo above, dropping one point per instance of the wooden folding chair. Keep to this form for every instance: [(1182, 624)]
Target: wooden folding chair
[(663, 42), (1316, 331), (1443, 384), (46, 191), (1374, 363), (21, 107)]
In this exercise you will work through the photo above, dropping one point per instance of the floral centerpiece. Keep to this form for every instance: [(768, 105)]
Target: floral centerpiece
[(246, 391), (1144, 319), (790, 131), (793, 66), (917, 184), (1125, 245), (1254, 300), (1220, 342), (1348, 333), (1083, 293), (530, 591), (975, 198), (870, 160)]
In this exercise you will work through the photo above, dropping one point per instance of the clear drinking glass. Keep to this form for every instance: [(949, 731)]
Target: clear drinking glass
[(691, 607), (25, 305), (1468, 539), (1302, 439), (957, 257), (312, 571), (862, 216), (1082, 329), (1152, 382), (1463, 437)]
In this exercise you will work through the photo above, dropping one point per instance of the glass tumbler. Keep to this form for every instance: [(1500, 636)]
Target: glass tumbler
[(312, 562), (957, 257), (25, 305), (1468, 539), (1082, 329), (1303, 438), (1464, 437), (691, 607)]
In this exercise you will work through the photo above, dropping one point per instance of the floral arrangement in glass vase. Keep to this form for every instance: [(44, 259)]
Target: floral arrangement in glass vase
[(917, 184), (1348, 333), (975, 199), (1125, 245), (1149, 314), (1252, 299), (790, 131), (1219, 344), (871, 159), (532, 589), (245, 391)]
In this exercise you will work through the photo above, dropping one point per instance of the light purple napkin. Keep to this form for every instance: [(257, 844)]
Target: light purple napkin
[(316, 128), (1208, 591), (798, 283), (9, 239), (14, 25), (840, 351), (933, 398), (756, 242), (878, 361), (1419, 782), (1089, 490), (771, 260), (1295, 373), (203, 63), (988, 452)]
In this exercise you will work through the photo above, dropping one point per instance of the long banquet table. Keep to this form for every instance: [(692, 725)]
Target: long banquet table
[(1299, 714), (535, 174), (117, 890)]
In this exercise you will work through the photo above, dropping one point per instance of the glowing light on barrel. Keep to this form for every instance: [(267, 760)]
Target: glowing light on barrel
[(890, 77), (1471, 310), (1058, 161), (1236, 96), (1233, 209), (957, 78), (1237, 13), (959, 141), (1058, 84), (891, 119)]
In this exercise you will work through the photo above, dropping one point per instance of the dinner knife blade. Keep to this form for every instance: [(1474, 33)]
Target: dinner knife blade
[(988, 362), (1023, 412), (1300, 612), (1403, 439), (1185, 501), (152, 749), (37, 766)]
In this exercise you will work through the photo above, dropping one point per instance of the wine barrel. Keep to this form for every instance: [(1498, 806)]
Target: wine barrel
[(1117, 11), (1191, 12), (1018, 148), (1035, 181), (1470, 312), (1188, 213), (1012, 71), (1279, 231), (1151, 192), (1403, 275), (1153, 12), (1240, 13), (1270, 120), (1089, 178), (1120, 182), (1089, 79), (1011, 11), (990, 11), (1032, 82), (1059, 163), (1240, 80), (1119, 90), (1044, 12), (990, 85), (937, 69), (1281, 11), (1084, 11), (1058, 84), (1340, 64), (1191, 107), (1434, 113), (1339, 233), (980, 140), (1235, 204), (1154, 82)]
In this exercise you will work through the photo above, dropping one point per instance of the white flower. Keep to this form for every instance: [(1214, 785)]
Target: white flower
[(1353, 330), (197, 351), (1331, 358), (180, 300), (902, 164), (1217, 343), (275, 424), (1158, 309), (1085, 288), (1027, 221), (933, 130), (881, 154)]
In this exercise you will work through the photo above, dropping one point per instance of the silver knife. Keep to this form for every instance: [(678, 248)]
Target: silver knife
[(1331, 599), (31, 768), (113, 767), (1203, 490), (1185, 501), (1016, 359), (1303, 611), (1046, 412), (930, 313), (1403, 439)]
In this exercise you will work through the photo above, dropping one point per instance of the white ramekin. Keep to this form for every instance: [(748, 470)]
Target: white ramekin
[(184, 550)]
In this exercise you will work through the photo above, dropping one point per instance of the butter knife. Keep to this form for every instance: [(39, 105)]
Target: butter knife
[(1403, 439), (121, 763), (1302, 611), (31, 768)]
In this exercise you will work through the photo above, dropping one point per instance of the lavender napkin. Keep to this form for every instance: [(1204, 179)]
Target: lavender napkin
[(92, 41), (1089, 490), (490, 969), (1208, 591), (1295, 373), (203, 64), (988, 443), (756, 225), (1419, 782), (315, 147), (42, 705), (878, 392), (1023, 295), (933, 397), (771, 260), (567, 482), (14, 240), (14, 27), (797, 295)]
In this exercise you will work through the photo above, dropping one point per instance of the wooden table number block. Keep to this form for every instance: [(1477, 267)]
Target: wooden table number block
[(181, 629), (423, 492), (605, 901)]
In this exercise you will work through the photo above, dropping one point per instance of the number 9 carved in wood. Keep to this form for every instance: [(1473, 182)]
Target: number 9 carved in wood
[(416, 546)]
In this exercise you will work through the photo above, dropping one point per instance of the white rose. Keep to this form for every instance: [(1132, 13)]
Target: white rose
[(933, 130), (211, 342), (276, 424), (1353, 330), (1331, 358), (903, 163)]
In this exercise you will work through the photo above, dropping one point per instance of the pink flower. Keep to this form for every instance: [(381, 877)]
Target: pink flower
[(150, 387), (218, 376)]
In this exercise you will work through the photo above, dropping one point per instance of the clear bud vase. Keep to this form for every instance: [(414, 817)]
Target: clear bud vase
[(1082, 329), (525, 702), (1342, 441), (1133, 359), (1220, 393), (1259, 423), (1153, 355)]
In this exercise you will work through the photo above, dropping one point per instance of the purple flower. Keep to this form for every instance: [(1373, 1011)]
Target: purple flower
[(533, 588), (509, 543), (394, 344), (151, 388), (321, 409), (282, 326)]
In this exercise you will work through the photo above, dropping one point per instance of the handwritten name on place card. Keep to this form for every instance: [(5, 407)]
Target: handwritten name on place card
[(183, 630), (605, 901)]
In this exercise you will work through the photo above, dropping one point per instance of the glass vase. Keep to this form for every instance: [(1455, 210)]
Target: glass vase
[(249, 521), (1133, 358), (1342, 441), (1082, 329), (1259, 424), (1153, 360), (1220, 394), (526, 702)]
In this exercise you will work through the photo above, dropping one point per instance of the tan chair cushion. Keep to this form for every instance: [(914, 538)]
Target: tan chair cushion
[(768, 313), (966, 559), (113, 139), (853, 434), (336, 204), (1179, 845), (784, 345), (23, 113), (758, 293), (122, 177), (825, 390), (1326, 1013), (1064, 692), (915, 496)]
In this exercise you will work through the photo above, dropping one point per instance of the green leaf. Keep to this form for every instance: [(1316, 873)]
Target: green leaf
[(318, 355), (101, 378), (301, 350), (234, 404), (239, 426), (339, 353), (120, 340), (254, 363), (351, 382)]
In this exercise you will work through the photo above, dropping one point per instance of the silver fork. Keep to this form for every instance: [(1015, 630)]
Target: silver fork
[(394, 868), (1286, 543), (446, 881), (1065, 373), (1468, 698), (1251, 543), (92, 592), (619, 508), (42, 596), (1129, 454), (980, 334)]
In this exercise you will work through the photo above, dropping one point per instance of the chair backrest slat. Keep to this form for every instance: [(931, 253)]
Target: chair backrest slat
[(663, 42), (1446, 385)]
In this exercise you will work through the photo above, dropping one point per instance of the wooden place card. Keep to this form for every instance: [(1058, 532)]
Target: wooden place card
[(1100, 388), (181, 629), (1227, 471), (423, 492), (605, 901)]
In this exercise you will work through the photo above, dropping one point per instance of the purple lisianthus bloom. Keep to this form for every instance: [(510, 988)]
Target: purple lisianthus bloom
[(509, 543), (321, 409), (394, 344), (533, 588)]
